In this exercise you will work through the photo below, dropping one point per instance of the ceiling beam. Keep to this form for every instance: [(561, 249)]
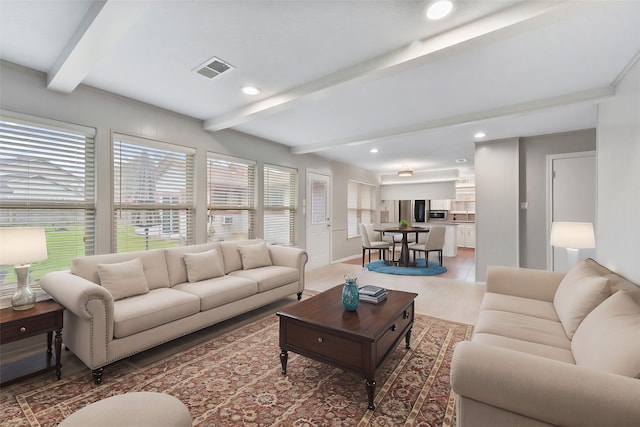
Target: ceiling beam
[(587, 96), (101, 29), (479, 31)]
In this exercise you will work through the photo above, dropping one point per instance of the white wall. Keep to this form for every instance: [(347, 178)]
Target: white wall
[(427, 191), (497, 195), (534, 150), (23, 90), (618, 146)]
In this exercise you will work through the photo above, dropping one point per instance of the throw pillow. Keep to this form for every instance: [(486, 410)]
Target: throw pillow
[(124, 279), (579, 292), (203, 265), (607, 339), (254, 256)]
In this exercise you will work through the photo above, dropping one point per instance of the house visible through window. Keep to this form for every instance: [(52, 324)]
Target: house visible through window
[(153, 194), (231, 213), (280, 189), (360, 206), (47, 179)]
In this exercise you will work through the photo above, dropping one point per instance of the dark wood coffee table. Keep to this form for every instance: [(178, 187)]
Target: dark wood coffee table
[(320, 328)]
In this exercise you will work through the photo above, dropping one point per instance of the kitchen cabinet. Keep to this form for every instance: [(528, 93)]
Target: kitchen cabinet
[(440, 205), (466, 235)]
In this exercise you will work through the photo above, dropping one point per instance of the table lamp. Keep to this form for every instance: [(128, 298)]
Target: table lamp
[(573, 236), (19, 247)]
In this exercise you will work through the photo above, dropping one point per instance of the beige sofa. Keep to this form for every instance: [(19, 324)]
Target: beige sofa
[(117, 305), (552, 349)]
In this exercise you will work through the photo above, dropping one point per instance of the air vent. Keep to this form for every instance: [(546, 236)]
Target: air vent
[(213, 67)]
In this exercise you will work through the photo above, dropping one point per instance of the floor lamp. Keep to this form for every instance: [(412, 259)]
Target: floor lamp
[(573, 236)]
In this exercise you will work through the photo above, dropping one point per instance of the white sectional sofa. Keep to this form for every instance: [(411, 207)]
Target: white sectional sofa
[(117, 305), (552, 350)]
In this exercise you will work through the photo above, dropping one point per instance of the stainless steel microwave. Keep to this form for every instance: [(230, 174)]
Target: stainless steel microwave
[(438, 215)]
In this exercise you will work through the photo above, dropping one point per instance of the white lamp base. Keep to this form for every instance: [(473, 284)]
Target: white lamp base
[(24, 298), (572, 257)]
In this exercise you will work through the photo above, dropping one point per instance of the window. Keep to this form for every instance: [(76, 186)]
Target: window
[(230, 198), (280, 189), (153, 194), (47, 175), (360, 206)]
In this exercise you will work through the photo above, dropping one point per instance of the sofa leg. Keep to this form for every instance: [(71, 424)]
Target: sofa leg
[(299, 295), (97, 375)]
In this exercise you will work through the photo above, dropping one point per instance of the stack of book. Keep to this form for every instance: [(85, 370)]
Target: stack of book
[(371, 293)]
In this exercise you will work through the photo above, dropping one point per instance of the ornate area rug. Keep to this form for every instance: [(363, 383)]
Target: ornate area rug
[(236, 380), (421, 268)]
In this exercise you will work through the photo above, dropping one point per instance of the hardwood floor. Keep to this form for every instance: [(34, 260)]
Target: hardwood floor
[(460, 267), (453, 295)]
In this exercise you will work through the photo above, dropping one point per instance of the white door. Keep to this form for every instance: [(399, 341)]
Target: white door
[(318, 220), (573, 198)]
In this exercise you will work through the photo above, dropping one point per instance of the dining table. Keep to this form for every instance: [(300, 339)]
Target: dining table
[(404, 251)]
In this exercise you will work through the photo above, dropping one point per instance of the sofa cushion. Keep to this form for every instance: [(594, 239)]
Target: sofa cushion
[(522, 327), (177, 269), (581, 290), (153, 261), (203, 265), (608, 338), (156, 308), (123, 279), (513, 304), (220, 290), (231, 254), (269, 277), (254, 256), (542, 350)]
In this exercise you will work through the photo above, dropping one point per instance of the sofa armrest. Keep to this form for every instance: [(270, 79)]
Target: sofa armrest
[(551, 391), (74, 293), (288, 256), (523, 282)]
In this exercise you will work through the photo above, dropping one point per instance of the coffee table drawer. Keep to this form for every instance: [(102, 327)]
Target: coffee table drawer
[(396, 331), (342, 351)]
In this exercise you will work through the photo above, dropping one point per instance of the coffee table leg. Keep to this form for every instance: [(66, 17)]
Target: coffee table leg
[(371, 390), (284, 357), (407, 339)]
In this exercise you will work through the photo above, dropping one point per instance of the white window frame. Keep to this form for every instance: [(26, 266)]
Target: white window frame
[(274, 195), (171, 209), (360, 206), (242, 177), (48, 175)]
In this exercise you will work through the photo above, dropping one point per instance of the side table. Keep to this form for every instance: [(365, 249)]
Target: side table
[(45, 316)]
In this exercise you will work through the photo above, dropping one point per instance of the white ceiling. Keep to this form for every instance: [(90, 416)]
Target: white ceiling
[(341, 77)]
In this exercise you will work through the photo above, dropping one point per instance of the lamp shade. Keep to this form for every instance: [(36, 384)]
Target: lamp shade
[(574, 235), (22, 245)]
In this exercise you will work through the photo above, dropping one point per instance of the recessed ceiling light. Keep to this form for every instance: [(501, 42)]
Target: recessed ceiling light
[(480, 135), (439, 9), (250, 90), (373, 150), (461, 160)]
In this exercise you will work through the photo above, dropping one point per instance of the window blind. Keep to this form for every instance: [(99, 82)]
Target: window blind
[(360, 206), (280, 195), (47, 179), (153, 194), (231, 197)]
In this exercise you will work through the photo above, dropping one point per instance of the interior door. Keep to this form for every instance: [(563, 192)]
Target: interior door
[(573, 198), (318, 220)]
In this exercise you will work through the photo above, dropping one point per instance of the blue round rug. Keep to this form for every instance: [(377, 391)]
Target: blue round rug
[(419, 270)]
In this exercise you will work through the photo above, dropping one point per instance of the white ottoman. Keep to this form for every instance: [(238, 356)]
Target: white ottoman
[(132, 410)]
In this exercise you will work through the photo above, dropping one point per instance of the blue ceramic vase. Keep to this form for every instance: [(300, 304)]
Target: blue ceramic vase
[(350, 298)]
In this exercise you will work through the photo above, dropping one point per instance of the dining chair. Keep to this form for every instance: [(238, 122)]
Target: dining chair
[(369, 242), (396, 239), (433, 243)]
